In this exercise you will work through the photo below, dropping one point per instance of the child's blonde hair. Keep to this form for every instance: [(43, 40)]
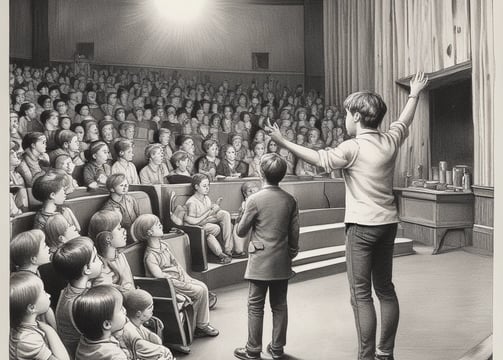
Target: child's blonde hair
[(142, 225), (25, 289), (100, 227), (25, 246)]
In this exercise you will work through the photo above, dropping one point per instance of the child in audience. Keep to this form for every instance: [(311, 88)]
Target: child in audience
[(96, 170), (120, 201), (108, 235), (99, 316), (156, 170), (160, 263), (258, 151), (28, 119), (50, 190), (29, 338), (64, 163), (165, 141), (78, 262), (241, 242), (16, 181), (137, 339), (186, 143), (92, 133), (180, 175), (230, 166), (124, 163), (201, 211), (313, 139), (127, 130), (28, 250), (208, 164), (34, 158), (272, 217), (68, 143), (241, 151), (58, 231)]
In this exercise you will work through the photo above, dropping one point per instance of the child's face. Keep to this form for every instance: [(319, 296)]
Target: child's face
[(14, 159), (156, 229), (212, 150), (84, 110), (61, 107), (259, 149), (129, 133), (128, 154), (312, 121), (146, 314), (300, 139), (101, 156), (157, 156), (68, 166), (313, 137), (93, 269), (204, 187), (272, 146), (59, 196), (119, 237), (66, 123), (107, 132), (71, 233), (74, 144), (43, 255), (79, 130), (164, 138), (188, 146), (119, 317), (237, 143), (121, 188), (182, 164), (43, 301), (350, 123), (230, 154), (41, 145), (121, 115), (93, 130)]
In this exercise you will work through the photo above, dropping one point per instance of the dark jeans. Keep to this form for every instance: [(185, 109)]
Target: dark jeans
[(256, 300), (369, 258)]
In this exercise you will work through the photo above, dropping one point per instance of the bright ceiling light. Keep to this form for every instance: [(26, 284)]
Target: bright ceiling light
[(180, 11)]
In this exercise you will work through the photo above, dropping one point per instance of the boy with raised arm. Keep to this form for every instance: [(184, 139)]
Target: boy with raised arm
[(367, 161)]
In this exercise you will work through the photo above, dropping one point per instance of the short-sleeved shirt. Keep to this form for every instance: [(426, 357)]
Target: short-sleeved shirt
[(116, 272), (108, 349), (165, 260), (129, 209), (67, 330), (368, 163), (143, 342), (28, 342)]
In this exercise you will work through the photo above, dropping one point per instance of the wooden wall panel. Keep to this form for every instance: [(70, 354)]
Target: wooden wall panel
[(20, 29)]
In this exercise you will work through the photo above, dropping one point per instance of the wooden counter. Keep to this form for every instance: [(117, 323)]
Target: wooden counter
[(433, 213)]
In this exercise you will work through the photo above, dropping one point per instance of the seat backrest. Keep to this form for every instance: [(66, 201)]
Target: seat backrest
[(139, 155), (309, 194), (335, 191), (85, 207), (134, 255), (20, 223)]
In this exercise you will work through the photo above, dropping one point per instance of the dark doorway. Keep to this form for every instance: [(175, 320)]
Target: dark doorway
[(451, 124)]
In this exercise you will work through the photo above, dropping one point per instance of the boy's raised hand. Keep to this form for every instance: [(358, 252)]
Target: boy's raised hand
[(273, 131), (418, 83)]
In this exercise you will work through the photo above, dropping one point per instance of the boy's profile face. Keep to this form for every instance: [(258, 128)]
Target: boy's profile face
[(93, 269), (43, 255), (121, 188), (119, 236), (128, 154), (43, 302), (203, 187), (59, 196), (68, 166), (119, 317), (147, 314), (41, 145), (101, 156), (156, 230)]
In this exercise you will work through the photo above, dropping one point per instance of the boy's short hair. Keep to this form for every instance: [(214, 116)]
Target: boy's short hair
[(55, 227), (197, 179), (136, 300), (94, 307), (178, 156), (25, 245), (103, 220), (46, 114), (114, 180), (31, 138), (248, 185), (273, 167), (181, 139), (25, 289), (209, 143), (369, 105), (64, 136), (57, 101), (45, 185), (94, 147), (150, 148), (142, 225), (72, 256), (123, 126), (60, 159), (122, 145)]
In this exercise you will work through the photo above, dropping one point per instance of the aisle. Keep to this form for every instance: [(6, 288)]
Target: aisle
[(445, 300)]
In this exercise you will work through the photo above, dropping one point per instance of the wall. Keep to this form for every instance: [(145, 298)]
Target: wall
[(20, 31), (128, 32)]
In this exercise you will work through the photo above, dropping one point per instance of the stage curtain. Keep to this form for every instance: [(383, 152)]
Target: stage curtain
[(20, 29), (348, 27), (481, 14), (40, 39)]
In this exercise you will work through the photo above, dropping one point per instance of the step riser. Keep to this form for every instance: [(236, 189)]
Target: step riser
[(320, 272), (317, 258), (321, 216), (321, 238)]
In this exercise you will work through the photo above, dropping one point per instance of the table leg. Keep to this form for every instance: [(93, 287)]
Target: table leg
[(439, 237)]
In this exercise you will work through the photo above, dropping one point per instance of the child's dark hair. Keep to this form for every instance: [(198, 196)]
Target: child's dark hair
[(273, 167), (369, 105), (46, 115), (122, 145), (72, 256), (94, 147), (24, 246), (94, 307), (197, 179), (49, 183), (25, 288), (31, 138), (136, 300)]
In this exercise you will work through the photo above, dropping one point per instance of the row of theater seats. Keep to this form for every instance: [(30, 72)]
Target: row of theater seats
[(321, 202)]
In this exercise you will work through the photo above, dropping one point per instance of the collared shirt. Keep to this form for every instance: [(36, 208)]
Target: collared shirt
[(163, 258), (368, 163), (28, 342), (127, 168), (107, 349), (31, 166), (150, 175)]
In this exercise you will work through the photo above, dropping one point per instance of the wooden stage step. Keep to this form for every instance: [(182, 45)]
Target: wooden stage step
[(309, 264)]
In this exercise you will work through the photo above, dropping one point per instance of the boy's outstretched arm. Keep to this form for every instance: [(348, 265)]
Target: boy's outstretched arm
[(306, 154), (417, 84)]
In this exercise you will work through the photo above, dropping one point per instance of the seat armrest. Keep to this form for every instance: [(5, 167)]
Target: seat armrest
[(197, 242)]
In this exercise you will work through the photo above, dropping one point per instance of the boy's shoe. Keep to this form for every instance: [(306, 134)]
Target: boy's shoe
[(242, 353), (212, 300), (240, 255), (224, 259), (206, 330), (383, 357), (276, 354)]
